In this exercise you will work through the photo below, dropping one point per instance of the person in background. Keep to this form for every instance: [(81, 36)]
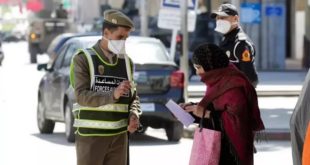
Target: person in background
[(107, 103), (235, 43), (230, 103), (61, 12), (299, 122)]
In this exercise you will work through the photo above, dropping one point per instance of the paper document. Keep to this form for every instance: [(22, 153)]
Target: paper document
[(184, 117)]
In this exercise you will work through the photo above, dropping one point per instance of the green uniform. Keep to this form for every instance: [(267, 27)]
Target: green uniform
[(100, 120)]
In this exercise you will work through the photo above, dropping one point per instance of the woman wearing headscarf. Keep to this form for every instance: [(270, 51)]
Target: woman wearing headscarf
[(230, 102)]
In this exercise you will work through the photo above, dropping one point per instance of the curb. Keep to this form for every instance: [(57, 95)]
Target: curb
[(269, 134)]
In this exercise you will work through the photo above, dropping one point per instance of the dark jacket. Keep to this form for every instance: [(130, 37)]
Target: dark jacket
[(241, 52)]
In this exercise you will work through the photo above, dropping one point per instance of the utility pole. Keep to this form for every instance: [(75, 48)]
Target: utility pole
[(144, 17), (184, 58)]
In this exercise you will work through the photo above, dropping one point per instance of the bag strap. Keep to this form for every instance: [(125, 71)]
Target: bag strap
[(218, 94)]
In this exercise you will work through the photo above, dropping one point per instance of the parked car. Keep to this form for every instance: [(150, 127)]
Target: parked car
[(57, 43), (157, 76), (300, 120), (1, 54)]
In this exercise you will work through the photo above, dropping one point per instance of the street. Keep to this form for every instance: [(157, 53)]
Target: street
[(21, 142)]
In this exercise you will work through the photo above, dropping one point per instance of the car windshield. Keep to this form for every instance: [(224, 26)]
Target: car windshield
[(147, 52), (55, 44)]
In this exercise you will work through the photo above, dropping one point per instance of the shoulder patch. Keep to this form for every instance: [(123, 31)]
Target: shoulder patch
[(241, 36), (246, 56)]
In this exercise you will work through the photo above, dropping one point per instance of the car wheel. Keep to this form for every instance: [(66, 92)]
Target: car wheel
[(69, 123), (44, 125), (174, 131)]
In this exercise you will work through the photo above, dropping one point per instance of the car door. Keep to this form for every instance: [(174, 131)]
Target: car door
[(60, 81), (52, 80)]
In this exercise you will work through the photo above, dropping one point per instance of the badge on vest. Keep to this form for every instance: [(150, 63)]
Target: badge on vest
[(101, 69), (246, 56)]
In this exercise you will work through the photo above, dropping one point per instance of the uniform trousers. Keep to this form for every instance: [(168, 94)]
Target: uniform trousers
[(102, 150)]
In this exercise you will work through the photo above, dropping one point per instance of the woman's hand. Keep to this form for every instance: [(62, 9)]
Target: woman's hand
[(197, 111), (184, 105)]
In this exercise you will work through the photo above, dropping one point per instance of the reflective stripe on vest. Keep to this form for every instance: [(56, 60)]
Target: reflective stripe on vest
[(108, 107), (100, 124), (91, 67)]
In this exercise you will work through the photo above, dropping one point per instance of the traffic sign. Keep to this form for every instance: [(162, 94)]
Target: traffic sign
[(250, 13), (176, 4), (169, 16), (274, 10)]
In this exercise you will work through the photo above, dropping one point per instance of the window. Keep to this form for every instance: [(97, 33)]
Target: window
[(69, 54), (59, 58), (147, 52)]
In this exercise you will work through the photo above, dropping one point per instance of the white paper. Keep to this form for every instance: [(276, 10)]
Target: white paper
[(184, 117)]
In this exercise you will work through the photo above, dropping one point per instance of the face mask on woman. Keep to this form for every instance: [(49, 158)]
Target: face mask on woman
[(116, 46), (223, 26)]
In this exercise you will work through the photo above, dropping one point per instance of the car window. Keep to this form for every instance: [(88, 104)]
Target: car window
[(147, 52), (60, 57), (69, 54)]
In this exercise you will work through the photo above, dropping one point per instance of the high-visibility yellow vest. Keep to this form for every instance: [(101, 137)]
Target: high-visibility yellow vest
[(106, 120)]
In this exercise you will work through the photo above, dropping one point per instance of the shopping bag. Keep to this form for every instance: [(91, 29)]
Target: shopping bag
[(206, 147)]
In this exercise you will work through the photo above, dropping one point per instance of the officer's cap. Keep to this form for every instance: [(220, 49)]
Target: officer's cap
[(225, 10), (117, 18)]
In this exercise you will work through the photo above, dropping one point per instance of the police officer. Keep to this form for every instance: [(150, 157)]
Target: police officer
[(107, 105), (236, 44)]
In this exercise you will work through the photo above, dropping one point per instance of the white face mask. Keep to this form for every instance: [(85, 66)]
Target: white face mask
[(116, 46), (222, 26)]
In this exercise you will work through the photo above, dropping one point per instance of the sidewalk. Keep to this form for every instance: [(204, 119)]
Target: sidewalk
[(271, 83)]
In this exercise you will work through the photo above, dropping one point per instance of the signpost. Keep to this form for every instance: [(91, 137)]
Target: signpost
[(274, 11), (169, 16)]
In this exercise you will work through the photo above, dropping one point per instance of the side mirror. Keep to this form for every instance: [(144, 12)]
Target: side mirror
[(43, 67)]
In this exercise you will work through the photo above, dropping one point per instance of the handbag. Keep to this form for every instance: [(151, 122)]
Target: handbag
[(206, 147)]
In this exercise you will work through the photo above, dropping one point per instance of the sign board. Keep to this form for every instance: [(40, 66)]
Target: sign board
[(274, 10), (176, 4), (250, 13), (169, 16)]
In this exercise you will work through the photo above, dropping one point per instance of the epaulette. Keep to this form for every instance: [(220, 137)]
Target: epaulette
[(241, 36)]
